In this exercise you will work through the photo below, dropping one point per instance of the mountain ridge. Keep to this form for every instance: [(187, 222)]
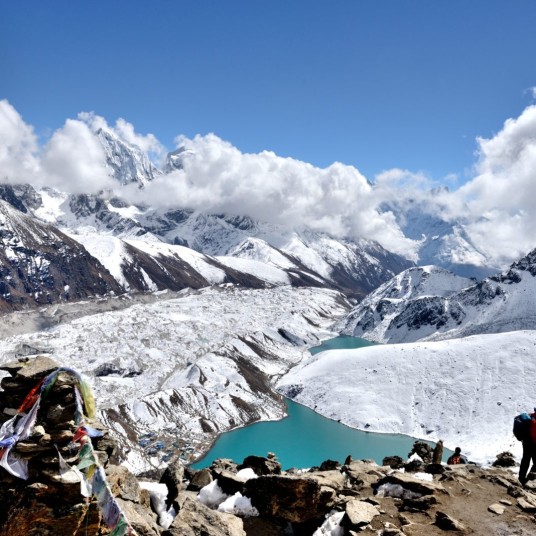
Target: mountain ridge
[(499, 303)]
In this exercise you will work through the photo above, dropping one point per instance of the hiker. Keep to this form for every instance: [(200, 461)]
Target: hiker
[(529, 449), (457, 457)]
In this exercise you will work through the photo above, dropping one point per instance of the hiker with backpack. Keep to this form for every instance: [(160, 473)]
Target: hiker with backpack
[(457, 457), (525, 431)]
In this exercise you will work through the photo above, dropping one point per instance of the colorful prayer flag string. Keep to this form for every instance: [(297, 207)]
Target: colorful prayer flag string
[(88, 471)]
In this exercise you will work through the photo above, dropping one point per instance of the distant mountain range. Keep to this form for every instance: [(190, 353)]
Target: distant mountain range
[(140, 248), (121, 247)]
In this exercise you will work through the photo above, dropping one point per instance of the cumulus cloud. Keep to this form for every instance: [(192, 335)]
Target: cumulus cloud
[(218, 177), (74, 161), (501, 198), (18, 146)]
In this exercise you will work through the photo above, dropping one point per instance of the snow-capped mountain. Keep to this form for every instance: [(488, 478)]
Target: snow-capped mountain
[(305, 258), (127, 163), (441, 243), (41, 265), (431, 304), (148, 265)]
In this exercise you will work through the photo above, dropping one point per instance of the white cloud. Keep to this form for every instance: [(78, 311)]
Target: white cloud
[(18, 146), (501, 199), (217, 177), (74, 161)]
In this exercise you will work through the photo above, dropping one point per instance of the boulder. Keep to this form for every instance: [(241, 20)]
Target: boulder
[(228, 482), (422, 504), (496, 508), (435, 469), (446, 522), (505, 459), (123, 483), (294, 499), (195, 518), (409, 482), (363, 473), (31, 369), (437, 455), (172, 477), (261, 466), (142, 520), (200, 479), (394, 462), (225, 464), (332, 479), (329, 465), (358, 514), (423, 450)]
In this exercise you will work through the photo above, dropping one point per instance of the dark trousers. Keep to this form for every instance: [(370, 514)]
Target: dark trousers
[(529, 453)]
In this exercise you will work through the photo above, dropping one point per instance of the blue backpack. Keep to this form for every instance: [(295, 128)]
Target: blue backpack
[(522, 426)]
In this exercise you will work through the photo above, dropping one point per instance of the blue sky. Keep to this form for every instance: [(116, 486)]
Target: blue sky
[(375, 84)]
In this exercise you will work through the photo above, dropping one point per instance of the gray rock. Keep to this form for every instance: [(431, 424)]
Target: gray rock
[(423, 450), (437, 454), (527, 504), (261, 466), (141, 519), (445, 522), (505, 459), (123, 483), (195, 519), (359, 514), (35, 369), (200, 479), (228, 482), (409, 482), (225, 464), (332, 479), (394, 462), (422, 504), (329, 465), (294, 499), (496, 509), (172, 478)]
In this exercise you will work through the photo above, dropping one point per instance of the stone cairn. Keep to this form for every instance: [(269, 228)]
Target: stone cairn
[(48, 501)]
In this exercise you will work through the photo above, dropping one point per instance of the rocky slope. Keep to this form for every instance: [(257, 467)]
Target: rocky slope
[(41, 265), (439, 305), (146, 249)]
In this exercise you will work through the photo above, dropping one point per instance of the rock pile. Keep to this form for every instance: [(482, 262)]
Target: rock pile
[(50, 501), (363, 498)]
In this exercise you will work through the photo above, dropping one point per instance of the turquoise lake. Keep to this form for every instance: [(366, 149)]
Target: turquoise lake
[(305, 438)]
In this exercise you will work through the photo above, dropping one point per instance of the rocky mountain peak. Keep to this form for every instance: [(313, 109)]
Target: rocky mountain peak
[(175, 159), (127, 163)]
